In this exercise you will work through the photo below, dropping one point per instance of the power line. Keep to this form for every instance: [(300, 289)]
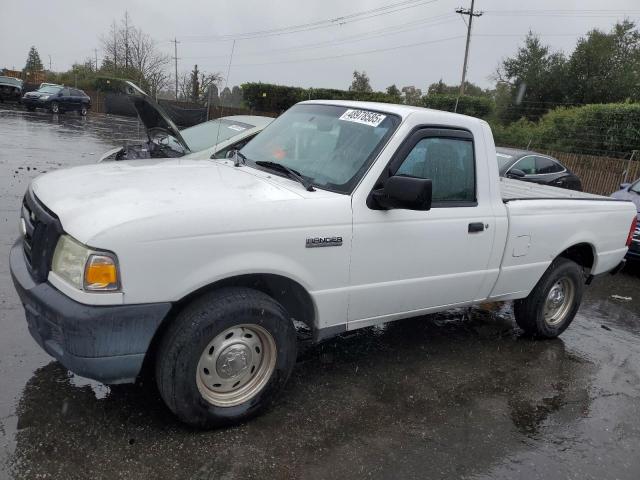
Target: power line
[(386, 31), (357, 16), (366, 52)]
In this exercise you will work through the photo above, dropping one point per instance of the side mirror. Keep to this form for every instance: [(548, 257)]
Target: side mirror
[(624, 186), (516, 173), (230, 153), (59, 94), (404, 192)]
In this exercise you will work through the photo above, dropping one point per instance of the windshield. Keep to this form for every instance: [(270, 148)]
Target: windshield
[(207, 134), (329, 145), (49, 89), (503, 160), (11, 80)]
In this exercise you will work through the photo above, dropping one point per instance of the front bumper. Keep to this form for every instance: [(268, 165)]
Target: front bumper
[(35, 102), (105, 343)]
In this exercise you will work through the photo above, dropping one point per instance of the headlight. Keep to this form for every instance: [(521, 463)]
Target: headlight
[(84, 268), (44, 97)]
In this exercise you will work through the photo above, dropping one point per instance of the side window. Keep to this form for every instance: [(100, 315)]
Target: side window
[(65, 92), (546, 165), (76, 93), (527, 165), (449, 163)]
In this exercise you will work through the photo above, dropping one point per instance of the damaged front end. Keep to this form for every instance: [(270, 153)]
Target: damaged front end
[(163, 136)]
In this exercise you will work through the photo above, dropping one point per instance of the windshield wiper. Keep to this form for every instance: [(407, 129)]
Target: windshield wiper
[(291, 173)]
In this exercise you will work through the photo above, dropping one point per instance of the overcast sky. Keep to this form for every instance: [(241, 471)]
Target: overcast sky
[(413, 46)]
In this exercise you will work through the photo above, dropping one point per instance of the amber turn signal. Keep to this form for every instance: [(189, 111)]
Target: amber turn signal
[(101, 273)]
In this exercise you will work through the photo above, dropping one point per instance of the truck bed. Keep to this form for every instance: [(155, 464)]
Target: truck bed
[(519, 190)]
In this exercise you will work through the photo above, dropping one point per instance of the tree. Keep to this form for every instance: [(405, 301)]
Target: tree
[(469, 89), (412, 95), (537, 80), (360, 82), (131, 53), (236, 96), (34, 64), (226, 97), (605, 67), (393, 91), (194, 93)]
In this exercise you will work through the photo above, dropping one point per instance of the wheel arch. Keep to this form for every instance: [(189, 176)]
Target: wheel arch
[(290, 294), (583, 253)]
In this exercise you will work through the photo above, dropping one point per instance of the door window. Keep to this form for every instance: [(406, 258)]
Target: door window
[(546, 165), (450, 165), (65, 92), (527, 165)]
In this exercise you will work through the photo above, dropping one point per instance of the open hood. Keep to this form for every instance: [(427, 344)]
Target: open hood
[(153, 115)]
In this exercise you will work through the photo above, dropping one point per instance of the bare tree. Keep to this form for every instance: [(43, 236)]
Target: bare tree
[(132, 53)]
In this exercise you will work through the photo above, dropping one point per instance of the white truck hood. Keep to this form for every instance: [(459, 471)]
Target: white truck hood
[(93, 199)]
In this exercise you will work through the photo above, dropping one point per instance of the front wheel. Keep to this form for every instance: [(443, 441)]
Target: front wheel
[(55, 107), (554, 301), (225, 357)]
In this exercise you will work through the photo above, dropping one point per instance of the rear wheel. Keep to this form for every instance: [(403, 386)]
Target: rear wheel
[(55, 107), (554, 301), (225, 357)]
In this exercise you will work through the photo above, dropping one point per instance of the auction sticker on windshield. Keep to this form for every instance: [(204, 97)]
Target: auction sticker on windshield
[(237, 128), (365, 117)]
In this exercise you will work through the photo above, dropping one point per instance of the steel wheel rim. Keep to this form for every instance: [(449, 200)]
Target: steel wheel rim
[(54, 108), (236, 365), (559, 301)]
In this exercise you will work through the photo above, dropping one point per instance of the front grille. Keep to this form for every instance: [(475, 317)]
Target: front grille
[(42, 230)]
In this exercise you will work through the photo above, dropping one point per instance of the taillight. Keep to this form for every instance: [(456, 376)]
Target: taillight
[(632, 230)]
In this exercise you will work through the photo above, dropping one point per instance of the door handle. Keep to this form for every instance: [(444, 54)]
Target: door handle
[(476, 227)]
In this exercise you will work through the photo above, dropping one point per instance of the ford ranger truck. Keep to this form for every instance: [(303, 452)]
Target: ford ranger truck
[(339, 215)]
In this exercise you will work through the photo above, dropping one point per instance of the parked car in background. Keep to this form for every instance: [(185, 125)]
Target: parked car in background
[(212, 139), (631, 192), (10, 89), (57, 99), (535, 167)]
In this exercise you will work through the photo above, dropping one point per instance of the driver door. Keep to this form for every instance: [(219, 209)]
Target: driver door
[(405, 262)]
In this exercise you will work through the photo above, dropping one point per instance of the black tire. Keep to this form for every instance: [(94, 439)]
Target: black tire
[(83, 110), (530, 312), (55, 107), (189, 335)]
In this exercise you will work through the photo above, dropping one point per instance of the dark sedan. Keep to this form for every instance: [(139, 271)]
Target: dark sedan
[(57, 99), (631, 192), (535, 167)]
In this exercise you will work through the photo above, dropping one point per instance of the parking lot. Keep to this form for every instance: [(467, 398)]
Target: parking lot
[(456, 395)]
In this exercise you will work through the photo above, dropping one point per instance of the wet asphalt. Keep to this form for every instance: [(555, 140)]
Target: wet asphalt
[(456, 395)]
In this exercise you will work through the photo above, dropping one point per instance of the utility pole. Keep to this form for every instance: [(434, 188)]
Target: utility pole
[(175, 58), (49, 62), (126, 39), (470, 12), (95, 50)]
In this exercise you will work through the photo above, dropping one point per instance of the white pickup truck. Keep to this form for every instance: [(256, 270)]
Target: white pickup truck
[(339, 215)]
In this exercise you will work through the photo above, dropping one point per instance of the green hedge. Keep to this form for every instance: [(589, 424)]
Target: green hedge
[(480, 107), (605, 129), (268, 97)]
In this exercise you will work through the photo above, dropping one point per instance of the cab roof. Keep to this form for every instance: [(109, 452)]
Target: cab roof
[(403, 111)]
